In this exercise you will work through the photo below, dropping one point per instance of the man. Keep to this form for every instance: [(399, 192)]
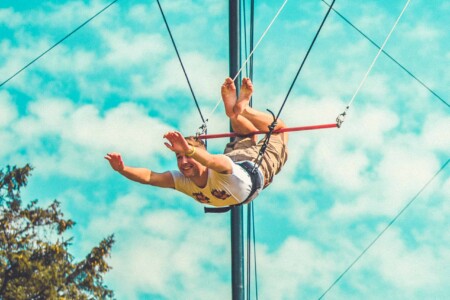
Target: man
[(223, 179)]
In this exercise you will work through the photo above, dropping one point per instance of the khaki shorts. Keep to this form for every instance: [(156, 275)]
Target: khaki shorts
[(246, 149)]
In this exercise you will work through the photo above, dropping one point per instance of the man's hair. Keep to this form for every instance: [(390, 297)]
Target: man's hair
[(193, 141)]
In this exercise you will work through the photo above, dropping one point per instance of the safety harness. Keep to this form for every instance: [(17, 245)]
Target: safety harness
[(252, 171)]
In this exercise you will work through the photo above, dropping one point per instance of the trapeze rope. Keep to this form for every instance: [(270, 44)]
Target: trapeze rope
[(211, 136), (250, 226), (304, 59), (244, 20), (341, 117), (181, 62), (385, 229), (272, 126), (251, 238), (254, 250), (251, 231), (59, 42), (389, 56), (248, 58), (257, 43)]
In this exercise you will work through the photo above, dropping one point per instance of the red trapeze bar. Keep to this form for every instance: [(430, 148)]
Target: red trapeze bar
[(287, 129)]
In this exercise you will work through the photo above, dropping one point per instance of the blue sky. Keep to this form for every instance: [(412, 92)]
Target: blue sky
[(116, 85)]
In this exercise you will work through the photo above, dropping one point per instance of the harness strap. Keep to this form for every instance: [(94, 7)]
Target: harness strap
[(256, 185), (218, 210)]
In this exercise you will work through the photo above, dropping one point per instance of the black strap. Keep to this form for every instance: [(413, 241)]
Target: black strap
[(252, 172), (217, 210)]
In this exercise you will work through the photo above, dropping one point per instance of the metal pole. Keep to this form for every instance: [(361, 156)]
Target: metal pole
[(237, 232)]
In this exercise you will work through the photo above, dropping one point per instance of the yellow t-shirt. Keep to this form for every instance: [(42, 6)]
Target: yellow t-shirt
[(220, 189)]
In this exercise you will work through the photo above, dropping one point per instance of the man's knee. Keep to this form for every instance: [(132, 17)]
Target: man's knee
[(280, 124), (284, 137)]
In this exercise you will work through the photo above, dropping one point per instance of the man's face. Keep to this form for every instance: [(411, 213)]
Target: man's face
[(188, 166)]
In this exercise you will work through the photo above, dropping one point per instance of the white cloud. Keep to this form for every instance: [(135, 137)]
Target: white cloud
[(206, 76), (436, 133), (179, 6), (346, 172), (300, 268), (8, 111), (48, 116), (408, 269), (81, 135), (139, 12), (157, 250), (8, 114), (288, 271), (66, 58), (130, 49), (403, 172), (66, 61), (425, 33), (389, 183), (69, 15), (10, 18)]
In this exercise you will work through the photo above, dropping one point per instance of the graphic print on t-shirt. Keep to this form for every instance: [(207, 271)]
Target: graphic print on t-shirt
[(201, 198), (222, 195)]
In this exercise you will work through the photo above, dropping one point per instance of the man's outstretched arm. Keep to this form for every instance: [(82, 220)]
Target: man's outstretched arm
[(141, 175), (178, 144)]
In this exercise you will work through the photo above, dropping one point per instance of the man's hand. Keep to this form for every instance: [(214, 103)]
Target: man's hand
[(177, 143), (115, 160)]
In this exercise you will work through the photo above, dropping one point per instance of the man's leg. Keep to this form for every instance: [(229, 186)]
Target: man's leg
[(245, 119), (259, 119), (239, 123)]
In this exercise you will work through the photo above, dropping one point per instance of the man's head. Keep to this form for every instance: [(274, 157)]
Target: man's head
[(188, 166)]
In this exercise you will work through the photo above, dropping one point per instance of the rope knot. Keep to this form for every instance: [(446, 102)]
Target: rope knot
[(201, 130), (272, 126), (274, 123), (341, 118)]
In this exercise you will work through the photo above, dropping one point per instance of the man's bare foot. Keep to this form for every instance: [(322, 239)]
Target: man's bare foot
[(228, 92), (244, 96)]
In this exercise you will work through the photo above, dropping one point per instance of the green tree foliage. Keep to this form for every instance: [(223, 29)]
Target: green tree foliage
[(34, 258)]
